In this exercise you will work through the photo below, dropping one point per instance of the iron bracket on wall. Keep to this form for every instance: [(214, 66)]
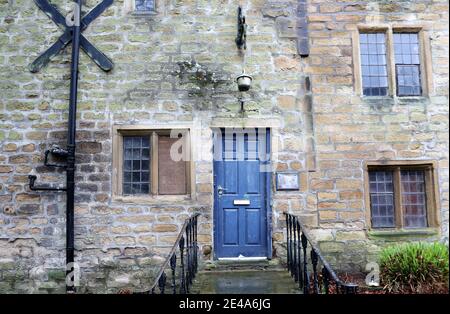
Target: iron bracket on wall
[(241, 39), (58, 18), (32, 180), (58, 152)]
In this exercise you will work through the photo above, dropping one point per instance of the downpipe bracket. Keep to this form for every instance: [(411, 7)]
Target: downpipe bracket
[(58, 152), (32, 180)]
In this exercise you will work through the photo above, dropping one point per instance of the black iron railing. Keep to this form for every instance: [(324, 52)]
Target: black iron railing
[(307, 276), (180, 275)]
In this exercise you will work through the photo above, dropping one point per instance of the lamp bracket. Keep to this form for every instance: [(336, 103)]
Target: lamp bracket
[(241, 39)]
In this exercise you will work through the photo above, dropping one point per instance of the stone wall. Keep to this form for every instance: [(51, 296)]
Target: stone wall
[(350, 129), (177, 67)]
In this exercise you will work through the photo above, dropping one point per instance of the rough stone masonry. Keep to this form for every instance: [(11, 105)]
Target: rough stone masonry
[(323, 127)]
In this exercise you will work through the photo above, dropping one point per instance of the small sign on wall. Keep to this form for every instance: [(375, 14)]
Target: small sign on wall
[(287, 181)]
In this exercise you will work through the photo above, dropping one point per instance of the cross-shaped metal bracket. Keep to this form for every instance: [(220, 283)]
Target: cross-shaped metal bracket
[(53, 13)]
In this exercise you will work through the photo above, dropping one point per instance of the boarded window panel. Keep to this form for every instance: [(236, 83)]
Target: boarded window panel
[(382, 199), (414, 198), (171, 173)]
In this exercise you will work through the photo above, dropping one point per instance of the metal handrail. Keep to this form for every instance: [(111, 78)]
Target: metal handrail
[(320, 256), (298, 268), (188, 234)]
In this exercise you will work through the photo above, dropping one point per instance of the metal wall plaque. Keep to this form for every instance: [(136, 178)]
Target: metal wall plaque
[(287, 181)]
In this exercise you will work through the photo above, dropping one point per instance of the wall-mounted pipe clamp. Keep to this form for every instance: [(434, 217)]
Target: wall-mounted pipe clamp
[(32, 180)]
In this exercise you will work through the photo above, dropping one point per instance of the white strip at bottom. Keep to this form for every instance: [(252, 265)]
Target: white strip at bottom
[(243, 259)]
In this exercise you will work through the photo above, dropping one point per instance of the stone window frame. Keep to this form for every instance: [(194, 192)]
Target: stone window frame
[(119, 131), (431, 189), (389, 30), (130, 7)]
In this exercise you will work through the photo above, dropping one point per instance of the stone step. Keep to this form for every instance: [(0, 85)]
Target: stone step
[(245, 265), (244, 282)]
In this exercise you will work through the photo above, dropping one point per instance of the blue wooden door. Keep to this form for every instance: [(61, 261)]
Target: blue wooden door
[(242, 190)]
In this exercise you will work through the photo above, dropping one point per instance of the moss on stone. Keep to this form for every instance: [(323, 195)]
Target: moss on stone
[(202, 79)]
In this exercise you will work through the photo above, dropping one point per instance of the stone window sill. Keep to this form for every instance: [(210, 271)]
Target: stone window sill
[(155, 200), (376, 98), (144, 13), (397, 99), (394, 234), (409, 99)]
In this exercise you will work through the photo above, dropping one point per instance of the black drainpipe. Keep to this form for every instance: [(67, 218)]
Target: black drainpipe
[(71, 133), (69, 153)]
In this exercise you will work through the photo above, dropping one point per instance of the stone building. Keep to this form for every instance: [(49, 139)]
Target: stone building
[(351, 95)]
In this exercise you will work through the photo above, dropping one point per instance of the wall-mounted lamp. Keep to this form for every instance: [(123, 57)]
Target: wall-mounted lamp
[(244, 82)]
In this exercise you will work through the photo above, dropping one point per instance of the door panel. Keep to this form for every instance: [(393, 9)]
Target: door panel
[(251, 180), (241, 194), (230, 226), (253, 230), (230, 173)]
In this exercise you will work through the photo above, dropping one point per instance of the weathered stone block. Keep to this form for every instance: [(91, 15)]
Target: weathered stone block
[(332, 247), (6, 169), (327, 215), (28, 209), (350, 235), (165, 228), (349, 195), (19, 159), (7, 263), (27, 198)]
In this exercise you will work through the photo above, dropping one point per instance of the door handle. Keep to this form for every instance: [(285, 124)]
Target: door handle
[(220, 190)]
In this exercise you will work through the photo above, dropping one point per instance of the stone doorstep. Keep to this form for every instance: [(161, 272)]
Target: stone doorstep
[(242, 265), (243, 270), (242, 259), (244, 282)]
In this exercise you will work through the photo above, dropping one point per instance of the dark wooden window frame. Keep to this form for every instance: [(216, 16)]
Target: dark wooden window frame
[(153, 135), (431, 191)]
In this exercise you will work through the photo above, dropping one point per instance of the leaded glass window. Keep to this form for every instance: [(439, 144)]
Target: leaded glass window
[(407, 64), (402, 196), (145, 5), (382, 199), (414, 198), (136, 167), (374, 64)]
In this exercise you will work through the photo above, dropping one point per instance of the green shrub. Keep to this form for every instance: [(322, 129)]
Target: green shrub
[(415, 268)]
